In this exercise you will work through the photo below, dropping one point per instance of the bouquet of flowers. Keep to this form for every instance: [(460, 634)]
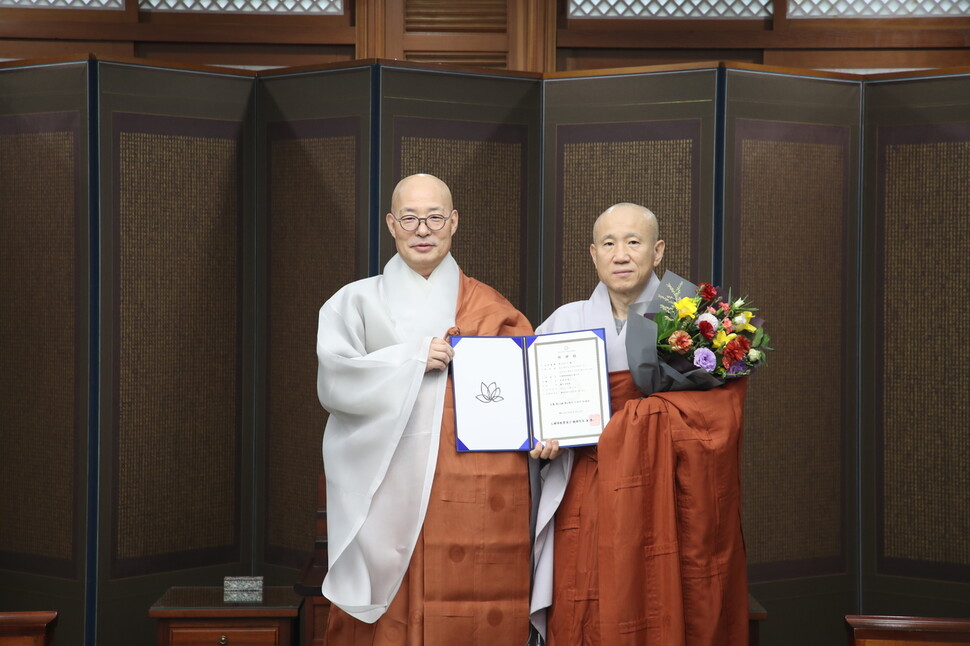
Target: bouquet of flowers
[(712, 331), (693, 342)]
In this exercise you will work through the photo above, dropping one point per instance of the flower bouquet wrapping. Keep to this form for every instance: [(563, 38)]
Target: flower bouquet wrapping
[(692, 337)]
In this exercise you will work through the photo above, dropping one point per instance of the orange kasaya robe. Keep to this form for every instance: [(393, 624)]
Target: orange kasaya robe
[(468, 579), (648, 544)]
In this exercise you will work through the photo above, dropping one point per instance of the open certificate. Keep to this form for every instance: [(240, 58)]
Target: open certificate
[(512, 392)]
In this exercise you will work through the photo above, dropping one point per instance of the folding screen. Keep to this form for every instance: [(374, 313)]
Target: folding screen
[(790, 219), (227, 210), (916, 387), (44, 322), (314, 134), (642, 138), (176, 334), (480, 134)]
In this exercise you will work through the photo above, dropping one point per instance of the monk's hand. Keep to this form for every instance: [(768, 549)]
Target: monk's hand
[(547, 451), (439, 355)]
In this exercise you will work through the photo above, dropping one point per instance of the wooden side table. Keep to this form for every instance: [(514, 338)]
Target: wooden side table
[(190, 616), (30, 628)]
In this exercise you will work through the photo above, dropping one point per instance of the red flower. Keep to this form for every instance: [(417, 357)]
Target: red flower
[(707, 291), (680, 341), (707, 330), (734, 350), (727, 325), (725, 307)]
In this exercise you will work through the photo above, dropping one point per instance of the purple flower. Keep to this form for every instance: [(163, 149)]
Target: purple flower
[(704, 358), (738, 368)]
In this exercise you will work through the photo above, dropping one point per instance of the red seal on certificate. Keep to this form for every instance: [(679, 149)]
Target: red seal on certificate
[(594, 419)]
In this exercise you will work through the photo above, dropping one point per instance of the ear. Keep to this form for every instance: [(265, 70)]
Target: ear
[(592, 252), (658, 252), (453, 222), (390, 225)]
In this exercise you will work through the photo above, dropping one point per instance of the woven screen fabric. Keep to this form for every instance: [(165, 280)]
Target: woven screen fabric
[(923, 508), (178, 391), (314, 237), (484, 165), (654, 164), (792, 211), (41, 352)]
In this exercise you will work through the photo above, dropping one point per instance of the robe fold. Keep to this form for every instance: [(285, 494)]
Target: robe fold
[(648, 543), (466, 579)]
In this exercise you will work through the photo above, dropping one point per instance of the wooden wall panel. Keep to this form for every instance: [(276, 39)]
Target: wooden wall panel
[(498, 34)]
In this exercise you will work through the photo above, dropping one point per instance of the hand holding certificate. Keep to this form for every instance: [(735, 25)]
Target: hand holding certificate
[(512, 392)]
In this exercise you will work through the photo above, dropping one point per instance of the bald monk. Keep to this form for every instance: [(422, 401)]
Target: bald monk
[(639, 538), (426, 545)]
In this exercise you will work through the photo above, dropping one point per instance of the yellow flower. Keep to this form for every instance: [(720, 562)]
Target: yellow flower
[(686, 307), (742, 322), (721, 338)]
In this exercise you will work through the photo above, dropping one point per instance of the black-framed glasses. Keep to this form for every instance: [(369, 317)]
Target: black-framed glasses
[(412, 222)]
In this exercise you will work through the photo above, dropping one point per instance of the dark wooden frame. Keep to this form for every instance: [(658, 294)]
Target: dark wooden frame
[(890, 629), (778, 40), (539, 38)]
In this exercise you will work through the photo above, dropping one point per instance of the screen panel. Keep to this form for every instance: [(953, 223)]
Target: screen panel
[(314, 130), (44, 264), (42, 319), (178, 342), (914, 415), (790, 219), (176, 336), (479, 134), (641, 138)]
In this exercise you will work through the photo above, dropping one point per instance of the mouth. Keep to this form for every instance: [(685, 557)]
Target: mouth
[(423, 246)]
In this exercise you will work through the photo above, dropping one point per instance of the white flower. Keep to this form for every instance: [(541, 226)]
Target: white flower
[(710, 318), (754, 355)]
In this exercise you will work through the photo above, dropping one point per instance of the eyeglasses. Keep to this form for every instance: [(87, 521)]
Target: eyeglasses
[(412, 222)]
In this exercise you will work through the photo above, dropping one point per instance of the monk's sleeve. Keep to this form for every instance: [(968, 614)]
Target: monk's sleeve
[(355, 380), (369, 387)]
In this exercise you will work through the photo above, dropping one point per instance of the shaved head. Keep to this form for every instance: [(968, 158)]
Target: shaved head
[(633, 209), (429, 182)]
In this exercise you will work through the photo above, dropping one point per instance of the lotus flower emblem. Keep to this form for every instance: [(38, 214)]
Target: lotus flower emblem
[(490, 393)]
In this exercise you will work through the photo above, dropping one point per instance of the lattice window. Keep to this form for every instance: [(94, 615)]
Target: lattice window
[(877, 8), (670, 9), (316, 7), (64, 4)]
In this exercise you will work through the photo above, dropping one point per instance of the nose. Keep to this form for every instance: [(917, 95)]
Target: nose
[(622, 254), (423, 228)]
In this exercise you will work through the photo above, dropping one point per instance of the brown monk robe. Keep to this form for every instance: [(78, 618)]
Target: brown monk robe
[(648, 546), (468, 579)]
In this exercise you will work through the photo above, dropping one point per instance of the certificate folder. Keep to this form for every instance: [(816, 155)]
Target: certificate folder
[(514, 391)]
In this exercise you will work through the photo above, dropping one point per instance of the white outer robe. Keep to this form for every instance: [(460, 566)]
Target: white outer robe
[(597, 312), (380, 446)]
